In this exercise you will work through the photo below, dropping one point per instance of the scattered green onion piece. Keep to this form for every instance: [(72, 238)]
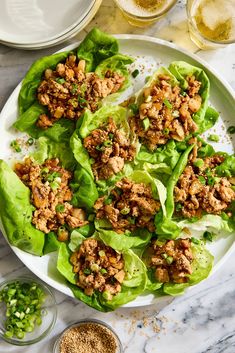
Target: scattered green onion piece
[(178, 207), (74, 88), (135, 73), (214, 138), (231, 129), (15, 146), (102, 253), (103, 271), (107, 143), (134, 108), (59, 208), (147, 79), (166, 131), (54, 185), (83, 89), (146, 124), (195, 240), (111, 136), (99, 148), (164, 256), (198, 163), (169, 260), (30, 141), (60, 80), (202, 179), (167, 103), (125, 211), (208, 236), (87, 271), (82, 102), (183, 93)]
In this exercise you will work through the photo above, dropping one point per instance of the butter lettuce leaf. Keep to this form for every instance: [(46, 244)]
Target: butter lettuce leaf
[(96, 47), (16, 213)]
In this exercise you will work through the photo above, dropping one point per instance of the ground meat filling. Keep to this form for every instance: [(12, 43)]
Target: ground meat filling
[(98, 268), (166, 112), (172, 261), (109, 149), (68, 90), (50, 194), (199, 190), (128, 207)]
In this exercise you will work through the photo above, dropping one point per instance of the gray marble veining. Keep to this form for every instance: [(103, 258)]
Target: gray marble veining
[(203, 320)]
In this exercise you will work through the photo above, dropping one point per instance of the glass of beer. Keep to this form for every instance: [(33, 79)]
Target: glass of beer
[(142, 13), (211, 22)]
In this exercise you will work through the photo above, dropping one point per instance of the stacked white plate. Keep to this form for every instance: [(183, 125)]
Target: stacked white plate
[(36, 24)]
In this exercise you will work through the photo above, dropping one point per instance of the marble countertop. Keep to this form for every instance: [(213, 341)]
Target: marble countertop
[(203, 320)]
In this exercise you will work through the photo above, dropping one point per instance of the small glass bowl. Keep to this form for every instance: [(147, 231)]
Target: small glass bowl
[(49, 314), (56, 348)]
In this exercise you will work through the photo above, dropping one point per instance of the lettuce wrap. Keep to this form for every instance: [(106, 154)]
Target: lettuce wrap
[(170, 225), (204, 118), (201, 268), (133, 284), (99, 50), (92, 121), (140, 236)]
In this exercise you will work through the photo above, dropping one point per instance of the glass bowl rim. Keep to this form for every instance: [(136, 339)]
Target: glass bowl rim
[(221, 43), (87, 321), (28, 278), (148, 18)]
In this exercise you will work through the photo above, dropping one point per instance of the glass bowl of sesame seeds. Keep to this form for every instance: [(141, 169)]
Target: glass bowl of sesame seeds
[(88, 335), (28, 310)]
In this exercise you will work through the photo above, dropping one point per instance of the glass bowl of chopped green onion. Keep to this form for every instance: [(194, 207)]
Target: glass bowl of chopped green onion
[(28, 311)]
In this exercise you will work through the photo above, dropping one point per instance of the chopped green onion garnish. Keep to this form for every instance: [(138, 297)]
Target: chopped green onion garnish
[(102, 253), (208, 236), (54, 185), (107, 143), (30, 141), (146, 123), (183, 93), (147, 79), (167, 103), (166, 131), (164, 256), (23, 307), (87, 271), (83, 89), (198, 163), (103, 271), (134, 108), (82, 102), (178, 207), (214, 138), (59, 208), (111, 136), (131, 220), (231, 130), (202, 180), (15, 146), (52, 176), (125, 210), (60, 80), (169, 260), (74, 88), (135, 73), (195, 240)]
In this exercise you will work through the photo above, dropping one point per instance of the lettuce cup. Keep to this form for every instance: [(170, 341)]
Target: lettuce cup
[(100, 275)]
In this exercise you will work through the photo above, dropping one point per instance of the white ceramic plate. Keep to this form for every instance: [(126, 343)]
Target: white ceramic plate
[(34, 24), (150, 53)]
